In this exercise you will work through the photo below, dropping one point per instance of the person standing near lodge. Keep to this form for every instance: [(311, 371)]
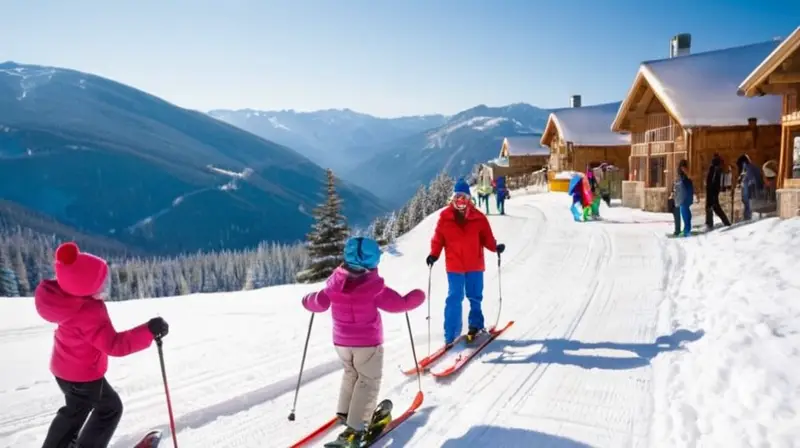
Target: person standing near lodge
[(713, 187), (751, 182), (463, 232), (683, 195)]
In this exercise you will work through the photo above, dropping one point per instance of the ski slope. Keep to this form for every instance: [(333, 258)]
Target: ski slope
[(623, 338)]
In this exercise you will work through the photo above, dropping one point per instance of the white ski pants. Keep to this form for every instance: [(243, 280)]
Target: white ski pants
[(361, 383)]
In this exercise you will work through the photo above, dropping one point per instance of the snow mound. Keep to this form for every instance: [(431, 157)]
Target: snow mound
[(738, 385)]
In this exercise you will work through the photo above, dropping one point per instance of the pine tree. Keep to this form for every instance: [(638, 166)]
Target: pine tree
[(326, 240), (8, 280), (378, 230), (18, 264)]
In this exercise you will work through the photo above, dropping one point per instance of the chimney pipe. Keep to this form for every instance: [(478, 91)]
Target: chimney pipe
[(575, 101), (680, 45)]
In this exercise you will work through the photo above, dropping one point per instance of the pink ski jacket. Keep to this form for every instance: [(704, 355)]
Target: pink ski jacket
[(85, 336), (355, 301)]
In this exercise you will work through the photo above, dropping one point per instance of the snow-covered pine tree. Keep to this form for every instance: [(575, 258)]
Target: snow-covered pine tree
[(378, 230), (326, 240), (416, 207), (8, 280)]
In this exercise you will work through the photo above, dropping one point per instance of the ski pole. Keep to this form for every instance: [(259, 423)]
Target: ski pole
[(430, 273), (499, 291), (159, 344), (414, 352), (302, 364)]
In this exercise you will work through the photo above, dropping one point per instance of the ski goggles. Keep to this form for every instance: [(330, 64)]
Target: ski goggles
[(460, 201)]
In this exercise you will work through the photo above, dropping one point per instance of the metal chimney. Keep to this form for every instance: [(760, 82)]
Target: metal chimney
[(680, 45), (575, 101)]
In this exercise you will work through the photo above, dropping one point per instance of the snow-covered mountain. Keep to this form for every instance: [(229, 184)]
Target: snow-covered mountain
[(334, 138), (622, 338), (110, 160), (475, 135)]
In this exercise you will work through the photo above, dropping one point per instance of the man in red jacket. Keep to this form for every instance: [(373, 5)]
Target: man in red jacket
[(463, 232)]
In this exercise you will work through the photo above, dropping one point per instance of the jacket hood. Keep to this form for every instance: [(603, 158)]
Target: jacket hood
[(54, 305), (368, 283)]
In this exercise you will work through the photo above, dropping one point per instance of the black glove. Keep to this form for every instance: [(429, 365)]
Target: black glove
[(501, 248), (158, 326), (431, 260)]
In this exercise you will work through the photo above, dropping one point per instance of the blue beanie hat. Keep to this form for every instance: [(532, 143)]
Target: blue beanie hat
[(462, 187), (362, 253)]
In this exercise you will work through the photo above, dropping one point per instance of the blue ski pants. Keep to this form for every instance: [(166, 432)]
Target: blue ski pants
[(686, 216), (459, 285)]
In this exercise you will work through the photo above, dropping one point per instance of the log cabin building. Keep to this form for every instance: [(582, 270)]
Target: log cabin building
[(686, 107), (779, 75), (581, 136), (520, 155)]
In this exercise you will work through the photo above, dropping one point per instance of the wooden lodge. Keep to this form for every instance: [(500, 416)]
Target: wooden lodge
[(581, 136), (520, 155), (686, 107), (779, 74)]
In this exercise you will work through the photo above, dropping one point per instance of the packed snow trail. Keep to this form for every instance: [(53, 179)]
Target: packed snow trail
[(592, 313)]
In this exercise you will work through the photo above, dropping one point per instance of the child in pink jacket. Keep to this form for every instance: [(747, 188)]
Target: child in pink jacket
[(356, 294), (83, 340)]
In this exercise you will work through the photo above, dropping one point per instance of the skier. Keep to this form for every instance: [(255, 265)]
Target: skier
[(463, 232), (84, 339), (576, 191), (502, 194), (484, 191), (355, 293), (594, 209)]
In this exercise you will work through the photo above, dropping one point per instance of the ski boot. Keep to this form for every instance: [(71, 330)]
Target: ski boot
[(349, 438), (472, 334), (381, 418)]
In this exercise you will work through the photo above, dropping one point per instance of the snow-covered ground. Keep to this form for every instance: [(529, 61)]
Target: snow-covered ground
[(623, 338)]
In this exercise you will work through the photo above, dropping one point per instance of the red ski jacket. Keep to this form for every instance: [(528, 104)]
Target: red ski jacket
[(464, 242)]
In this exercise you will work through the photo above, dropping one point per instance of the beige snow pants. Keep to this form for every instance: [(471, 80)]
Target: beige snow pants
[(361, 383)]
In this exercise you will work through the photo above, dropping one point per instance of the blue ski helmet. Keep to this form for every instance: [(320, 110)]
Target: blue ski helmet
[(362, 252)]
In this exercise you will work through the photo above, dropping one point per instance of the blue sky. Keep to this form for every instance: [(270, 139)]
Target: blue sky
[(384, 57)]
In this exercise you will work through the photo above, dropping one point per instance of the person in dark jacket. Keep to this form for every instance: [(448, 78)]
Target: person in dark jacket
[(713, 187)]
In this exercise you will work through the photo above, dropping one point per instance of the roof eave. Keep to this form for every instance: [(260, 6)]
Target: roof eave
[(624, 107), (549, 129), (751, 85)]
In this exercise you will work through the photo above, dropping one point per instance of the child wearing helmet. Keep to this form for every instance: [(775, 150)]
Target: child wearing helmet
[(355, 294)]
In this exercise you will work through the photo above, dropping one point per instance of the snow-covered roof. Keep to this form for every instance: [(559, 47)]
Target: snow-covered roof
[(586, 126), (525, 146), (756, 78), (701, 89)]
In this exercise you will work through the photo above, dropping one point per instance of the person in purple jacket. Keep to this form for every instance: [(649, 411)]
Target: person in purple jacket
[(356, 294)]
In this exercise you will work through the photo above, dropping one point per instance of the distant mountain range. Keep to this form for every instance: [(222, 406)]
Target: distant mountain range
[(109, 160), (336, 139), (392, 157), (466, 139)]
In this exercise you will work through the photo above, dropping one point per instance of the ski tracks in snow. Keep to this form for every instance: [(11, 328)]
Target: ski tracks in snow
[(576, 364)]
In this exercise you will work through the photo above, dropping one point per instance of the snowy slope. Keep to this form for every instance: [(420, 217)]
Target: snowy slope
[(622, 338)]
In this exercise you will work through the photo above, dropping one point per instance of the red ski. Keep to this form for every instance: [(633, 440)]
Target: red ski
[(464, 357), (150, 440), (418, 399), (326, 428), (426, 362)]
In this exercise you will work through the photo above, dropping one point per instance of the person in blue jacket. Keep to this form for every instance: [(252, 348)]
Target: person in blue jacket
[(576, 191), (683, 192), (502, 194)]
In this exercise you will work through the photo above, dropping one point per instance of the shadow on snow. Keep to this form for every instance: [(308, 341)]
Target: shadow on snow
[(567, 352), (485, 435)]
